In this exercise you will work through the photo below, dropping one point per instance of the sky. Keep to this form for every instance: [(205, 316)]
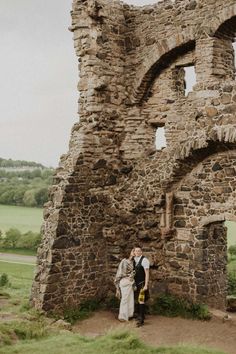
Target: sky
[(39, 76)]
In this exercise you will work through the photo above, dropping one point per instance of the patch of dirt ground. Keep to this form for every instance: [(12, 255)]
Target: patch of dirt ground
[(5, 316), (159, 331)]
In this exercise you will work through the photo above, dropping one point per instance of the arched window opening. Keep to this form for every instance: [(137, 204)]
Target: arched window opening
[(224, 50), (190, 79), (160, 141), (144, 91), (231, 264)]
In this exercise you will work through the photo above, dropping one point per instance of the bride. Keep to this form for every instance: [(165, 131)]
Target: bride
[(124, 282)]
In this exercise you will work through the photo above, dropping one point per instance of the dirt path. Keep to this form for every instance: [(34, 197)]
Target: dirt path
[(17, 258), (160, 330)]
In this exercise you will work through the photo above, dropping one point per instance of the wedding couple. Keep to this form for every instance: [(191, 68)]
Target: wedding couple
[(131, 282)]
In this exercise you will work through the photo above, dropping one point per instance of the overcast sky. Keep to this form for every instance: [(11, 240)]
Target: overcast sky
[(39, 77)]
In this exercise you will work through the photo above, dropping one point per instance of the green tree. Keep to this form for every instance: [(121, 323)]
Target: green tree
[(232, 250), (7, 197), (36, 173), (41, 196), (12, 237), (29, 198), (29, 240), (19, 195)]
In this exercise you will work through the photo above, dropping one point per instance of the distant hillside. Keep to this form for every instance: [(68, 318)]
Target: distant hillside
[(24, 183), (9, 163)]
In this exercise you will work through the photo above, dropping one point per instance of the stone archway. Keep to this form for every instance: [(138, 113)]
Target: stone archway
[(158, 62), (199, 258)]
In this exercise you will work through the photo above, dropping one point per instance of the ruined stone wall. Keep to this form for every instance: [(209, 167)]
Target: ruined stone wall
[(113, 189), (204, 198)]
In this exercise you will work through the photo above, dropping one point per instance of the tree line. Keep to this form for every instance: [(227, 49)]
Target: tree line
[(15, 239), (18, 163), (25, 188)]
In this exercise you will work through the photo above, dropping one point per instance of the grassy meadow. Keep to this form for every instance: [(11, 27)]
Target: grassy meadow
[(20, 281), (117, 343), (231, 232), (23, 218)]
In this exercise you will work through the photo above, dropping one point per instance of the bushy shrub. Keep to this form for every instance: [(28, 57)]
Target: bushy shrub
[(12, 237), (29, 240), (232, 250), (4, 280), (72, 315), (84, 310), (172, 306), (232, 283)]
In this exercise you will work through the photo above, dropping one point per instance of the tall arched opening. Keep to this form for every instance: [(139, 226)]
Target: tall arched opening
[(204, 199)]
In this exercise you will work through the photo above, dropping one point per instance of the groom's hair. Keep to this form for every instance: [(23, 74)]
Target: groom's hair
[(137, 246)]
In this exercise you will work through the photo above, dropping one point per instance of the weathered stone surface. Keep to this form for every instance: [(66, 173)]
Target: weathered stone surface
[(113, 188)]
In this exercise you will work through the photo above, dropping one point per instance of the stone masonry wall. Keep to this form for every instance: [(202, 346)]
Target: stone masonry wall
[(113, 189)]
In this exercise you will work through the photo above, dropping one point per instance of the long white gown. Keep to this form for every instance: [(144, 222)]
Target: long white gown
[(127, 299)]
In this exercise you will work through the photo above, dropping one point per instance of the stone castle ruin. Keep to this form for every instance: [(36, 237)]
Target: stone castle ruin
[(113, 189)]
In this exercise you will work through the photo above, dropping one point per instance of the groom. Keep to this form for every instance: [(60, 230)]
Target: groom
[(141, 266)]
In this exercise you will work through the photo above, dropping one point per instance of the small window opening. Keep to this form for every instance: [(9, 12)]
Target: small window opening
[(190, 79), (160, 141), (234, 46)]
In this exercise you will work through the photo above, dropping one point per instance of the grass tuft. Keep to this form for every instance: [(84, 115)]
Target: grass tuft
[(4, 295), (12, 331)]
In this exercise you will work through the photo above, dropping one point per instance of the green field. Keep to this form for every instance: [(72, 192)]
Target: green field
[(22, 218), (20, 278), (231, 233)]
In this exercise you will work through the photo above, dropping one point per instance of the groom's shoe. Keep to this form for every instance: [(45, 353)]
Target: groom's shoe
[(139, 323)]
